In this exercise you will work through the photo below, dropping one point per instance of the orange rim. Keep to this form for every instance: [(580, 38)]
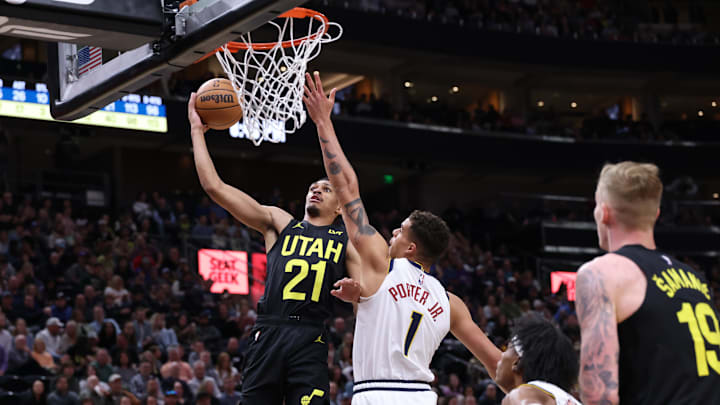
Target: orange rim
[(297, 12)]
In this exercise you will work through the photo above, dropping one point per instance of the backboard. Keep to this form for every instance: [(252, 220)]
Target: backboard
[(155, 38)]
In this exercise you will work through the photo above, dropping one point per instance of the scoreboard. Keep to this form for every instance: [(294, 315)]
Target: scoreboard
[(134, 111)]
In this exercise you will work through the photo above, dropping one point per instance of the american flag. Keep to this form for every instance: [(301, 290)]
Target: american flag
[(89, 57)]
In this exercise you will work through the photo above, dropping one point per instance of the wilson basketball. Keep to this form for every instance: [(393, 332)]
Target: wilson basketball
[(217, 104)]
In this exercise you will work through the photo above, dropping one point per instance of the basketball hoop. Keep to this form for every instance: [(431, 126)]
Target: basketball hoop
[(270, 77)]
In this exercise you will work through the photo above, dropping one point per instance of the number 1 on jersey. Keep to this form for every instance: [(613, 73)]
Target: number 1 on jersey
[(415, 319)]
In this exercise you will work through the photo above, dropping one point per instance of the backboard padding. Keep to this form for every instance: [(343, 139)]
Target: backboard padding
[(208, 25)]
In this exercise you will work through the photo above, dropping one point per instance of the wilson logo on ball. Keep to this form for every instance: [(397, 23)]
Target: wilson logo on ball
[(218, 98)]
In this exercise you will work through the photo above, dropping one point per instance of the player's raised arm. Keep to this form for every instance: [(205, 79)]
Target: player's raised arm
[(243, 207), (370, 244), (600, 349), (472, 337)]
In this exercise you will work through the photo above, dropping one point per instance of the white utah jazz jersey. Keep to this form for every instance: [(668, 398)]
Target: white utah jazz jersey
[(398, 328), (561, 397)]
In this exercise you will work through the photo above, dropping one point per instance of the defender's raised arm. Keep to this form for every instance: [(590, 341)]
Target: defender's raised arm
[(372, 246)]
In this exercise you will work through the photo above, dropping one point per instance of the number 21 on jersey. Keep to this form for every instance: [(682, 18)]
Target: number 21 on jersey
[(302, 265)]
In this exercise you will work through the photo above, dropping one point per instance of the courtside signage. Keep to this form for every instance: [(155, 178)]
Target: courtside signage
[(143, 113), (228, 269)]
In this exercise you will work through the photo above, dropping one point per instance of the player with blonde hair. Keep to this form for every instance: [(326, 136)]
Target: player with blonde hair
[(649, 330)]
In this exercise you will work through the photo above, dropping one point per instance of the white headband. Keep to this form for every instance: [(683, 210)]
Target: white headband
[(516, 344)]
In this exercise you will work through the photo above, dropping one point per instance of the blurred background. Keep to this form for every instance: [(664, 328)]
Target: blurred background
[(496, 114)]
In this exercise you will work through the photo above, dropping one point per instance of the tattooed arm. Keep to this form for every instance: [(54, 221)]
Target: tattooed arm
[(599, 353), (370, 244)]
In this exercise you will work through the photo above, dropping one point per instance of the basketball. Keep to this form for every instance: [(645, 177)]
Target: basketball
[(217, 104)]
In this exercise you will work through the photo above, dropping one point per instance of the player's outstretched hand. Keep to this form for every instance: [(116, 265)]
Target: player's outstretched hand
[(193, 117), (319, 105), (347, 290)]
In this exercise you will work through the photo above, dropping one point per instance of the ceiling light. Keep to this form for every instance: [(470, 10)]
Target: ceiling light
[(455, 89), (541, 103), (714, 103), (700, 113), (716, 195), (434, 99), (408, 84), (283, 68), (573, 105)]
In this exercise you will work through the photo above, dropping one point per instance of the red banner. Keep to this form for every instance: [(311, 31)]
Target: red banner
[(259, 274), (558, 278), (227, 268)]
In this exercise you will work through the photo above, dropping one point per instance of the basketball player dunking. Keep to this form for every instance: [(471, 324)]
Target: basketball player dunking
[(405, 312), (287, 358), (649, 329)]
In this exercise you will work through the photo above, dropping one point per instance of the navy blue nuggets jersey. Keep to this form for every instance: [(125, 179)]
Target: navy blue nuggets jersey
[(303, 265)]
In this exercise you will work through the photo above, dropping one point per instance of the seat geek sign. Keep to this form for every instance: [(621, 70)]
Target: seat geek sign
[(228, 269)]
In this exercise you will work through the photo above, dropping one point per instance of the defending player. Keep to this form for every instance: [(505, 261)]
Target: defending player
[(540, 364), (287, 359), (648, 326), (406, 312)]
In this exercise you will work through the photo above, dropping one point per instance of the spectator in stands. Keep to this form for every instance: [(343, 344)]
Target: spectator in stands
[(332, 394), (206, 331), (103, 365), (204, 397), (51, 336), (233, 350), (337, 330), (116, 290), (68, 371), (62, 395), (184, 371), (160, 333), (197, 347), (171, 397), (3, 361), (107, 335), (453, 388), (153, 389), (509, 306), (42, 356), (19, 355), (230, 396), (5, 336), (6, 297), (30, 310), (202, 231), (35, 396), (210, 370), (143, 330), (490, 396), (95, 390), (125, 369), (99, 320), (138, 383), (225, 369), (141, 208), (60, 309), (117, 392), (200, 379)]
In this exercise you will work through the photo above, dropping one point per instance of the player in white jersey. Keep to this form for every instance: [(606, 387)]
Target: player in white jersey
[(405, 312), (540, 364)]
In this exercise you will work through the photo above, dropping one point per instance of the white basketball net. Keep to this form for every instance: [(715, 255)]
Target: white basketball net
[(270, 82)]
